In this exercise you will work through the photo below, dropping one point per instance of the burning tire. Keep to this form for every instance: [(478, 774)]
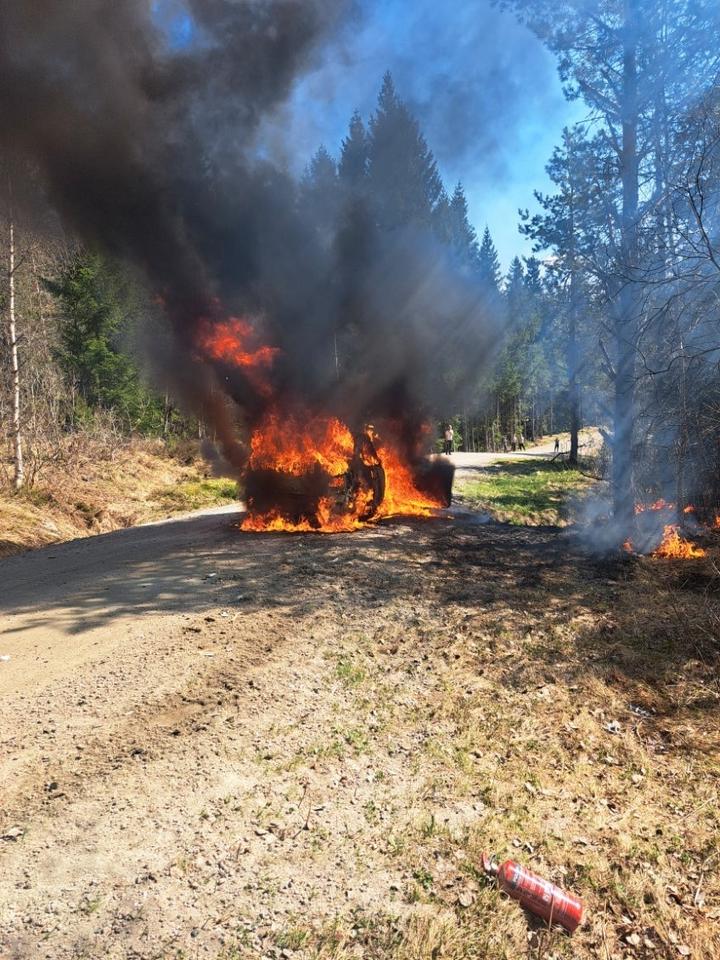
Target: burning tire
[(366, 479)]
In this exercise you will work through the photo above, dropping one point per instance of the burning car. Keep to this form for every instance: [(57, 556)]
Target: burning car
[(320, 476), (309, 471)]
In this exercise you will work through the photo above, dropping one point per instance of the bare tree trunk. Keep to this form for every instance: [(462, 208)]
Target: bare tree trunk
[(572, 359), (628, 302), (534, 417), (682, 441), (572, 364), (166, 415), (18, 463)]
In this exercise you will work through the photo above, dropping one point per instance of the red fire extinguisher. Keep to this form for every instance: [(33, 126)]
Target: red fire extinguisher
[(539, 896)]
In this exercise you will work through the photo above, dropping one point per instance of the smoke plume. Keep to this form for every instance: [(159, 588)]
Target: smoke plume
[(144, 139)]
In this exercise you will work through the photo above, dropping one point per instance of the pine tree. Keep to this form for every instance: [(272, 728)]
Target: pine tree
[(569, 225), (319, 196), (403, 179), (636, 64), (462, 234), (353, 165), (489, 265)]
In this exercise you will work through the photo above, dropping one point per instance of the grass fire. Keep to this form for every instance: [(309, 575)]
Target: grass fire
[(663, 538)]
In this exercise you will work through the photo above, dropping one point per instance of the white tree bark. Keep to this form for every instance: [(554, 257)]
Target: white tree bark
[(19, 467)]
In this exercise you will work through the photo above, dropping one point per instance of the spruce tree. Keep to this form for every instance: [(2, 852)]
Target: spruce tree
[(403, 179), (442, 219), (533, 277), (515, 292), (95, 323), (462, 234), (353, 165), (321, 170), (513, 358), (319, 196), (523, 368), (489, 265), (542, 363)]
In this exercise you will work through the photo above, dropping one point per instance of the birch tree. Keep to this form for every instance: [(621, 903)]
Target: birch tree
[(13, 341)]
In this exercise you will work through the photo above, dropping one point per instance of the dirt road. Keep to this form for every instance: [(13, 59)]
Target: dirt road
[(103, 591), (466, 463), (181, 765), (224, 745)]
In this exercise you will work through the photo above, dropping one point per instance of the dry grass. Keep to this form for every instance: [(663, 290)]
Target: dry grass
[(99, 488), (576, 734)]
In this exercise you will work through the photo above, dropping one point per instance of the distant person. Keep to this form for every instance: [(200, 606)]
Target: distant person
[(505, 444), (449, 435), (521, 442), (557, 444), (513, 442)]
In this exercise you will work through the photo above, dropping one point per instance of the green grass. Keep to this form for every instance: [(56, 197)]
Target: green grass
[(196, 494), (523, 492), (349, 673), (292, 939)]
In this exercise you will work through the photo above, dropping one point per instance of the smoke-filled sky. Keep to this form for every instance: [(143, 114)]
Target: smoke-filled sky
[(154, 150), (485, 90)]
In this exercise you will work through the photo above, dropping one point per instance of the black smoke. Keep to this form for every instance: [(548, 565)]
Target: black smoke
[(146, 149)]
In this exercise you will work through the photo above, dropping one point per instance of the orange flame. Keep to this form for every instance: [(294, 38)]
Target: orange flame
[(401, 495), (295, 447), (230, 341), (673, 546), (657, 505), (274, 522)]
